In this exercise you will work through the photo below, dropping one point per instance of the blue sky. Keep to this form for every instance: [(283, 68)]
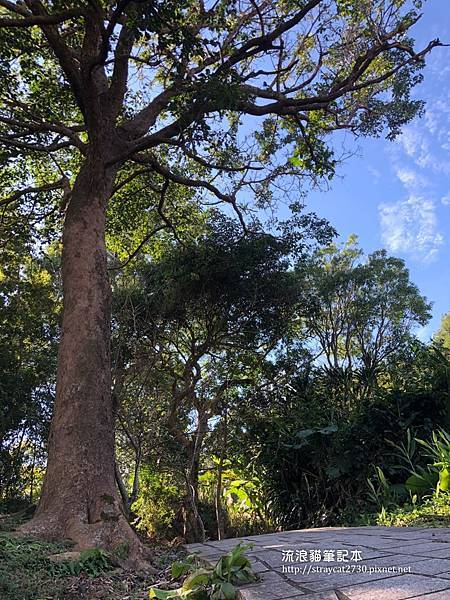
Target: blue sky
[(396, 195)]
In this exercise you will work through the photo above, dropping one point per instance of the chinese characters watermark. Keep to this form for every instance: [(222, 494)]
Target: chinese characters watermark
[(317, 555)]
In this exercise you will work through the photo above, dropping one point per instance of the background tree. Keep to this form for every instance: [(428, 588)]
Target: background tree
[(196, 324), (30, 305), (360, 312), (443, 334), (312, 453), (97, 93)]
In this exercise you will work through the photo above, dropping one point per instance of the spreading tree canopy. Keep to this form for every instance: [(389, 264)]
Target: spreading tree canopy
[(228, 99)]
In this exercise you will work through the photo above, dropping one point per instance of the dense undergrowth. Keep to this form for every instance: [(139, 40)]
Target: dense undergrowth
[(433, 512), (32, 569), (228, 422), (27, 571), (420, 495)]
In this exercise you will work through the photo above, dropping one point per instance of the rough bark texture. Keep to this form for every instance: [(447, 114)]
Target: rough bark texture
[(79, 497)]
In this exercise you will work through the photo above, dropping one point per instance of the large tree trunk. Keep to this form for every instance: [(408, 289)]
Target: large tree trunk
[(79, 497)]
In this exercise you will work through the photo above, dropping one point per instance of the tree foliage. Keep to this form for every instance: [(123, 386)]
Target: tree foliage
[(29, 319), (443, 334), (361, 311), (121, 124), (163, 90)]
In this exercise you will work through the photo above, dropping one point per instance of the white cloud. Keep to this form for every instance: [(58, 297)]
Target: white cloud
[(410, 226), (409, 141), (421, 162), (412, 180), (375, 173), (416, 145), (431, 120), (437, 119), (438, 62)]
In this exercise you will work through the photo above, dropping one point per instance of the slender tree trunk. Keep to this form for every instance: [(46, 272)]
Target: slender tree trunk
[(33, 465), (126, 503), (218, 496), (129, 499), (15, 463), (194, 529), (79, 498), (194, 526)]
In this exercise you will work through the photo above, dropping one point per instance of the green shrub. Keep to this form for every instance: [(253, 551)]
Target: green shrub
[(243, 502), (157, 504), (212, 583), (438, 450), (433, 512), (93, 562)]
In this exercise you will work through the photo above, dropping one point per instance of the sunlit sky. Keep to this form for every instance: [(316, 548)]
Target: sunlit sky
[(396, 195)]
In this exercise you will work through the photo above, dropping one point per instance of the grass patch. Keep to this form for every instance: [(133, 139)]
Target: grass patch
[(433, 512), (26, 573)]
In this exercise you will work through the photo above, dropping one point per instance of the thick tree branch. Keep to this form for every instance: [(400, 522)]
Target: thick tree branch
[(119, 79), (30, 128), (60, 184), (147, 117), (190, 182), (291, 106), (12, 142), (29, 20)]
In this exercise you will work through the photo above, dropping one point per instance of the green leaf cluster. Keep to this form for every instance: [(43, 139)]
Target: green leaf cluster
[(210, 583)]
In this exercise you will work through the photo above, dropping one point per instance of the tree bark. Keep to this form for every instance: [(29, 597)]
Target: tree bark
[(79, 497)]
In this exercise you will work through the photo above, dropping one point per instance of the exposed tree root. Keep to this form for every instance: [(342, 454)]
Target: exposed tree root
[(114, 535)]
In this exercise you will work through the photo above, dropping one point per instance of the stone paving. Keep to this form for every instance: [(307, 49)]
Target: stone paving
[(355, 563)]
